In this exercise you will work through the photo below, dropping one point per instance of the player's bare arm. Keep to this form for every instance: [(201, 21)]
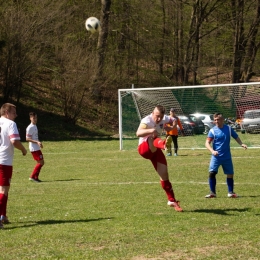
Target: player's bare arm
[(170, 126), (241, 144), (209, 147), (34, 141), (18, 145), (144, 131)]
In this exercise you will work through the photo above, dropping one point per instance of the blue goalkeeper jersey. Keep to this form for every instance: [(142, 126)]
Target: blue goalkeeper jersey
[(221, 140)]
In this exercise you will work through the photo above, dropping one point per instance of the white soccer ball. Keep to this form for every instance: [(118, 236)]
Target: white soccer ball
[(92, 24)]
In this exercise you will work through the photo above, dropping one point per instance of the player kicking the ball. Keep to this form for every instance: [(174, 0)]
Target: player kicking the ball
[(150, 147)]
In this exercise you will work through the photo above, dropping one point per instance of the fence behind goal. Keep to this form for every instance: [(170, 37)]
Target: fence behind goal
[(232, 100)]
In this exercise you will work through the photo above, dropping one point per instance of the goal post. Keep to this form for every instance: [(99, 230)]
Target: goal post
[(232, 100)]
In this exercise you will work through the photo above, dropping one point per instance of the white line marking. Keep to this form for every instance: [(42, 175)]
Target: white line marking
[(84, 182), (173, 182)]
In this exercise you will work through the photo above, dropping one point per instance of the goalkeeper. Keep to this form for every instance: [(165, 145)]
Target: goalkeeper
[(150, 147), (172, 135)]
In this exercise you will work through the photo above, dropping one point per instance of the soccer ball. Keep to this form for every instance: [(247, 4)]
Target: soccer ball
[(92, 24)]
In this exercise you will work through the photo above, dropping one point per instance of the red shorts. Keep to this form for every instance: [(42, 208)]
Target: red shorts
[(157, 156), (6, 172), (37, 155)]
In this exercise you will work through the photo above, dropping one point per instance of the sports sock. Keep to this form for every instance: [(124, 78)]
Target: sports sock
[(167, 186), (36, 171), (159, 143), (212, 184), (4, 211), (3, 204), (230, 184)]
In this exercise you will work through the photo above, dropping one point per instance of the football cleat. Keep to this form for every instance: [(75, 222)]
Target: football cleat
[(4, 220), (175, 205), (211, 195), (34, 180), (232, 195)]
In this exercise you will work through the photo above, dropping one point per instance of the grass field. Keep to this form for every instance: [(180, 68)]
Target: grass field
[(96, 202)]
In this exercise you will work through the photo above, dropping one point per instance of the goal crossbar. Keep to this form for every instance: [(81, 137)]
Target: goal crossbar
[(231, 99)]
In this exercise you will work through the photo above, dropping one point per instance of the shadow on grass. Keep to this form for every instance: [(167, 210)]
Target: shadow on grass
[(64, 180), (220, 211), (251, 196), (184, 155), (54, 222)]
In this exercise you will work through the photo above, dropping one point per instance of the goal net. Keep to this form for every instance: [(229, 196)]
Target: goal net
[(232, 100)]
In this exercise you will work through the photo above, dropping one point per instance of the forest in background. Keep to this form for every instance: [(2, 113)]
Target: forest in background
[(49, 62)]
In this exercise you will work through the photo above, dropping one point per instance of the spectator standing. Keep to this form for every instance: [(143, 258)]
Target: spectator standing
[(172, 135)]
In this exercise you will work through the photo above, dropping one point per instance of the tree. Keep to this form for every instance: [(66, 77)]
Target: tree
[(101, 48), (252, 46)]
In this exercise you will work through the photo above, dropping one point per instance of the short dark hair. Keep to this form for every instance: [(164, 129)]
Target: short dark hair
[(217, 114), (32, 114), (161, 109)]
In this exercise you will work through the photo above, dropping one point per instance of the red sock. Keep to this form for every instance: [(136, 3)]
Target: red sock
[(159, 143), (3, 204), (36, 171), (167, 186)]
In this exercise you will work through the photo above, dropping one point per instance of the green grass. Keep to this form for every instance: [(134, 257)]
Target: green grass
[(96, 202)]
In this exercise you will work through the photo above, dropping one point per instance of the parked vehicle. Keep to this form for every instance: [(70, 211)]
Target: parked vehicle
[(196, 125), (233, 123), (248, 102), (207, 120), (250, 122), (186, 128)]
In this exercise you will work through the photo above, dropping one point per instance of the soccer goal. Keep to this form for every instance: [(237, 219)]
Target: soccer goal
[(232, 100)]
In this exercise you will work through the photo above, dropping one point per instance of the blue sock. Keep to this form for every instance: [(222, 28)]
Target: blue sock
[(230, 184), (212, 184)]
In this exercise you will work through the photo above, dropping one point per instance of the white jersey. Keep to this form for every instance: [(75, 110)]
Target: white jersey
[(9, 132), (148, 120), (32, 133)]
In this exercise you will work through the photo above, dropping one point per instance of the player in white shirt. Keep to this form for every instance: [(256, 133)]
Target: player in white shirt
[(35, 147), (9, 138), (150, 147)]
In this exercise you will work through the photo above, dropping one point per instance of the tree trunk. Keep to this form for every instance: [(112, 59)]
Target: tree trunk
[(252, 47), (238, 46), (101, 48)]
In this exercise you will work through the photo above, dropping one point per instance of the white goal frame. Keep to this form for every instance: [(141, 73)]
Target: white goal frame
[(123, 92)]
